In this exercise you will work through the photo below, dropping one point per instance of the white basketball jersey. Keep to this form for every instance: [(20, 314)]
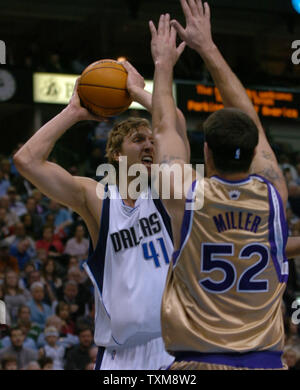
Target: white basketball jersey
[(128, 269)]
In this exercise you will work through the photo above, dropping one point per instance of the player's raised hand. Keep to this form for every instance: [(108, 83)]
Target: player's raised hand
[(163, 42), (81, 113), (197, 33)]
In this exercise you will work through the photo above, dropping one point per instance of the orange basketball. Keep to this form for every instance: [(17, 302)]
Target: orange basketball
[(102, 88)]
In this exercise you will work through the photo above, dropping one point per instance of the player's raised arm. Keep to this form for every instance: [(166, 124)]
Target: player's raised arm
[(135, 86), (169, 144), (49, 178), (197, 35)]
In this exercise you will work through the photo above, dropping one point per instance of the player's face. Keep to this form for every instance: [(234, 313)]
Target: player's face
[(138, 146)]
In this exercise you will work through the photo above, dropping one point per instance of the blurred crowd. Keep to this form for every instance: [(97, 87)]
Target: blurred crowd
[(48, 295)]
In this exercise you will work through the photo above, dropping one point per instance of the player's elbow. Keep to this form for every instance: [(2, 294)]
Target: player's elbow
[(21, 161)]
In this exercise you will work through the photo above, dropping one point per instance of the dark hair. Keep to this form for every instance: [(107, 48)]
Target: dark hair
[(8, 359), (232, 137), (15, 328)]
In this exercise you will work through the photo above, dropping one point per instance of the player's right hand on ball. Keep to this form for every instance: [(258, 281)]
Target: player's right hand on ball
[(135, 81), (81, 113)]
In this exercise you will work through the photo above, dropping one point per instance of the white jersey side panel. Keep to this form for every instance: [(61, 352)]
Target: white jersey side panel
[(138, 250)]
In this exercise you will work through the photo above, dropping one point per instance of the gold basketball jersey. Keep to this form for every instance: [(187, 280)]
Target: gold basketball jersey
[(223, 292)]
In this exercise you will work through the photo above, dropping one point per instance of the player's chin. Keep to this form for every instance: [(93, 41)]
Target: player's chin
[(148, 167)]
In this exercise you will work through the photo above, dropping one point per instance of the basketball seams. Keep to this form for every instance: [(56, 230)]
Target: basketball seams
[(102, 86), (104, 67), (97, 105)]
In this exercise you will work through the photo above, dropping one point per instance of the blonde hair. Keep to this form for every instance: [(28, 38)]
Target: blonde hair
[(118, 133)]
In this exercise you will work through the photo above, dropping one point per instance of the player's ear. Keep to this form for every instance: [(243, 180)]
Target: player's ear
[(116, 156)]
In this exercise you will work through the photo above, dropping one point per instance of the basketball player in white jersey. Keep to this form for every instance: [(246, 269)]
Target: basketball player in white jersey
[(131, 240), (221, 307)]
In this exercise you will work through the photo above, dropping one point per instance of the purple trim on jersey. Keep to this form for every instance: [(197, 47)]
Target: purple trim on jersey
[(185, 226), (96, 259), (232, 181), (252, 360), (284, 228)]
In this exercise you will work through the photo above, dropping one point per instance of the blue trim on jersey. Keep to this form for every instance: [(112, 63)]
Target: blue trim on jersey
[(252, 360), (96, 259), (165, 216), (99, 358)]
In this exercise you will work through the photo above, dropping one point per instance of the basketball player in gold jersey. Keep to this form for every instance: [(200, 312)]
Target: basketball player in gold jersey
[(221, 307)]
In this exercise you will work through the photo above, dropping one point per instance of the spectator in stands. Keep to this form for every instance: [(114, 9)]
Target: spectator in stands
[(11, 217), (78, 245), (93, 352), (87, 320), (15, 205), (23, 355), (50, 278), (46, 363), (83, 283), (96, 158), (24, 319), (38, 309), (41, 205), (285, 163), (78, 356), (51, 245), (36, 219), (9, 362), (90, 366), (24, 280), (5, 167), (14, 296), (66, 339), (19, 235), (62, 216), (70, 294), (7, 262), (293, 191), (26, 219), (62, 310), (28, 341), (4, 184), (32, 366), (73, 262), (22, 252), (34, 276), (52, 349), (5, 231), (290, 357)]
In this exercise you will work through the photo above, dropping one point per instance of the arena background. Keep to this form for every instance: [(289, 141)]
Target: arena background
[(61, 37)]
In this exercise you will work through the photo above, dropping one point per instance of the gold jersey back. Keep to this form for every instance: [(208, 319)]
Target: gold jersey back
[(223, 293)]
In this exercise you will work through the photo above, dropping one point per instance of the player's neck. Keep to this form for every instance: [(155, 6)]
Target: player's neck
[(233, 176)]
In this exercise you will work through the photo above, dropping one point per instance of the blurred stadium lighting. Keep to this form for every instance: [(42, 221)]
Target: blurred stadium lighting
[(296, 5)]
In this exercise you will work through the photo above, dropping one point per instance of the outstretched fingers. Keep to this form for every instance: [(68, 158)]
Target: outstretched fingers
[(180, 48), (152, 29), (178, 27), (186, 9), (207, 10)]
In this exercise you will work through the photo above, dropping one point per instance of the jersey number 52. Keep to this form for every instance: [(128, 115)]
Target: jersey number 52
[(211, 255)]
